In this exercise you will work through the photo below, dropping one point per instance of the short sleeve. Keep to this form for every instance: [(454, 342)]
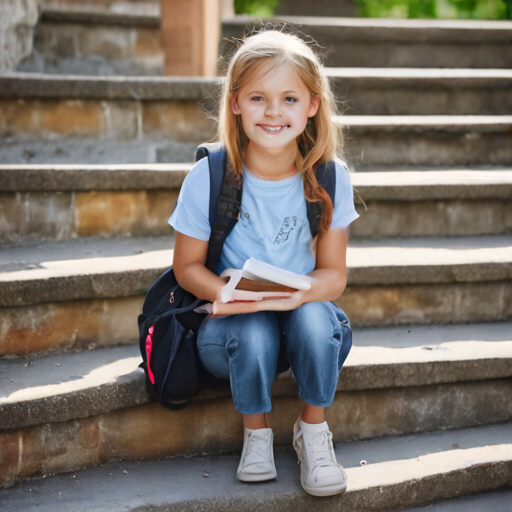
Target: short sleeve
[(191, 215), (344, 211)]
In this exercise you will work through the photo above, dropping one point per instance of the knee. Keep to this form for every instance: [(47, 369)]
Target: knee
[(312, 321), (319, 328), (256, 339)]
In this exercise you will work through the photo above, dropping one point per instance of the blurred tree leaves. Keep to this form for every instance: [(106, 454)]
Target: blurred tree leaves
[(465, 9), (260, 8)]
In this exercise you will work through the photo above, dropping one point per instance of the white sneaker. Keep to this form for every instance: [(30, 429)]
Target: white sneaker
[(257, 461), (320, 472)]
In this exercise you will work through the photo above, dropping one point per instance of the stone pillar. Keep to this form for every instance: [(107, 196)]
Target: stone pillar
[(17, 21), (191, 36)]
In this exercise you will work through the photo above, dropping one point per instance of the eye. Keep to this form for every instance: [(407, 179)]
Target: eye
[(255, 98), (290, 98)]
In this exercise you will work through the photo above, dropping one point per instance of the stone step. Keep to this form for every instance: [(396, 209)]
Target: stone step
[(423, 91), (80, 292), (365, 91), (400, 472), (497, 501), (61, 202), (427, 140), (91, 127), (78, 409), (120, 6), (386, 42), (84, 40), (102, 41), (169, 482)]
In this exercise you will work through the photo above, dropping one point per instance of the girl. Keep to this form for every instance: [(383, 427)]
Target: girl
[(275, 122)]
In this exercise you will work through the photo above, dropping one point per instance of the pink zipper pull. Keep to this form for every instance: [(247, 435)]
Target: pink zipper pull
[(149, 347)]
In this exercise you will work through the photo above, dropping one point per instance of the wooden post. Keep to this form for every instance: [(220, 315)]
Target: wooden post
[(190, 36)]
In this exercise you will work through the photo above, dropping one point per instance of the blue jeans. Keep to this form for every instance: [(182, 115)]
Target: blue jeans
[(245, 349)]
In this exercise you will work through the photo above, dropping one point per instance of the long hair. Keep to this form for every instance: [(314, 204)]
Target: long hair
[(321, 140)]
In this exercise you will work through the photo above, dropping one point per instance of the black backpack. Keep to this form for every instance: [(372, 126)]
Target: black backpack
[(168, 325)]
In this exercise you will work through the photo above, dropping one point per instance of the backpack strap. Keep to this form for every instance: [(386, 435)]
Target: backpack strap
[(326, 177), (225, 198)]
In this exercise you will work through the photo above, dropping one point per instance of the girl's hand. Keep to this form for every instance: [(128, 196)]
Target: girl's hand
[(236, 308)]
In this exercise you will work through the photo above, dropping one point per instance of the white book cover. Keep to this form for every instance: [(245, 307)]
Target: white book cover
[(256, 270)]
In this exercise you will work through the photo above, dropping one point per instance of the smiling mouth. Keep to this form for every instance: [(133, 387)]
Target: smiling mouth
[(273, 129)]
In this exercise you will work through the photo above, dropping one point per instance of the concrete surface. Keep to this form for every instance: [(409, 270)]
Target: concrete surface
[(412, 185), (91, 268), (38, 85), (401, 472), (78, 385), (70, 178), (497, 501), (418, 124)]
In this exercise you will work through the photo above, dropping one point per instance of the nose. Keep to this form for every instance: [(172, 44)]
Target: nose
[(272, 109)]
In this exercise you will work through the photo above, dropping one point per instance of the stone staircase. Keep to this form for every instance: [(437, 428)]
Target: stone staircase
[(86, 188)]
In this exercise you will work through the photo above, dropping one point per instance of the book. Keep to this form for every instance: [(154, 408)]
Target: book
[(258, 280)]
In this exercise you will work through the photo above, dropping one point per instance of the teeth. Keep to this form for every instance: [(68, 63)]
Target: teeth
[(273, 129)]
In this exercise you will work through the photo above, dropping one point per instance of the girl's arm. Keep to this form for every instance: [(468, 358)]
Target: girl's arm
[(189, 268), (330, 276)]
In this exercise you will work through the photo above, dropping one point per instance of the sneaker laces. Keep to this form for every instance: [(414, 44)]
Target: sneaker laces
[(320, 446), (258, 447)]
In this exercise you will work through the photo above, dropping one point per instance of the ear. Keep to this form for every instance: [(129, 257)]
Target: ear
[(234, 106), (313, 106)]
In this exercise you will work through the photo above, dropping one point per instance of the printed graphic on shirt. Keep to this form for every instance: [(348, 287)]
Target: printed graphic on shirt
[(288, 225)]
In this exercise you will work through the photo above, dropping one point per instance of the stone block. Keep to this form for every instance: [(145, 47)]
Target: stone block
[(50, 118), (363, 99), (69, 325), (432, 218), (183, 121), (121, 119), (28, 215), (17, 21), (78, 48), (123, 213), (427, 303), (427, 148)]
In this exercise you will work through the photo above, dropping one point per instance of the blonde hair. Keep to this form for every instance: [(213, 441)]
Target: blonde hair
[(321, 140)]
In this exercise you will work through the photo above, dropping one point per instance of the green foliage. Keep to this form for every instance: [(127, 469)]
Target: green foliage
[(259, 8), (466, 9)]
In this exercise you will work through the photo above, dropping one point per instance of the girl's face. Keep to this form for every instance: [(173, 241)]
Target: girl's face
[(275, 108)]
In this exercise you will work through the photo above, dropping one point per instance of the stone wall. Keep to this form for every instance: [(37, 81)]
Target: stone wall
[(17, 21)]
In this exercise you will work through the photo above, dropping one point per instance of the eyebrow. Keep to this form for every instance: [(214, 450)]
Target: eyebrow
[(285, 92)]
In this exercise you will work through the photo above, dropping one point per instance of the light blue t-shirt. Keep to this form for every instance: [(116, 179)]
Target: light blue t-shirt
[(273, 225)]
